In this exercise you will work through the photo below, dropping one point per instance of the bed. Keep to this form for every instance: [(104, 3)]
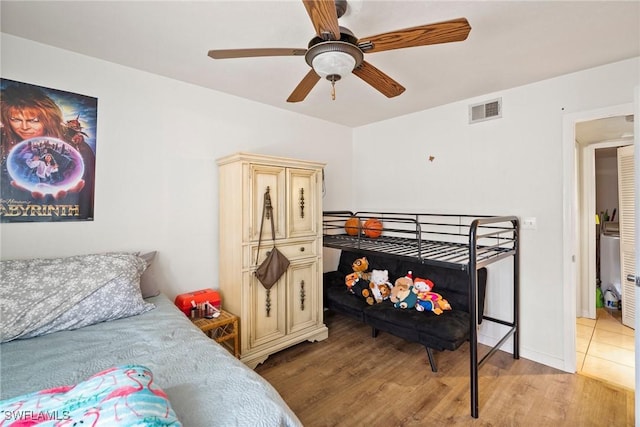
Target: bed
[(460, 242), (200, 381)]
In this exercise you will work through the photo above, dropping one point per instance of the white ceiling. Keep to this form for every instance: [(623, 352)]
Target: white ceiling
[(511, 43), (603, 130)]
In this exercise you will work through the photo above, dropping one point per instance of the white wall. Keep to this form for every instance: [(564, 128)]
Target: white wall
[(507, 166), (156, 175)]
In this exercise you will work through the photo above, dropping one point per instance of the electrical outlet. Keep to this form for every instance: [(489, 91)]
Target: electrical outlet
[(529, 223)]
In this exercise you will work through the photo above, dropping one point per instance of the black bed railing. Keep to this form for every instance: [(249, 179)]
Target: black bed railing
[(438, 239), (488, 226)]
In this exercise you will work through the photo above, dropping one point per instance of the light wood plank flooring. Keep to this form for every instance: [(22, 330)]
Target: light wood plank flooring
[(351, 379), (605, 348)]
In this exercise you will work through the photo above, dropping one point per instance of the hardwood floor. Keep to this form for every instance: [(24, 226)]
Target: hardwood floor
[(605, 348), (352, 379)]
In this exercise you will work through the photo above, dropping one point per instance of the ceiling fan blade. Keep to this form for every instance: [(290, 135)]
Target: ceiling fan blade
[(379, 80), (323, 17), (454, 30), (304, 87), (250, 53)]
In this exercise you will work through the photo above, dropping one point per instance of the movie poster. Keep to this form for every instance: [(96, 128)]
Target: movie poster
[(48, 148)]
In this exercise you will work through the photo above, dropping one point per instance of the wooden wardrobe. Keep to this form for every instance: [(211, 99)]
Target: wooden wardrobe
[(291, 311)]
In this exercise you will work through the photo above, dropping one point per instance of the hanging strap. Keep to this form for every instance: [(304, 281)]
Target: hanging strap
[(267, 209)]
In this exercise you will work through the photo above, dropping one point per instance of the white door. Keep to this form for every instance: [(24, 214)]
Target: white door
[(627, 204)]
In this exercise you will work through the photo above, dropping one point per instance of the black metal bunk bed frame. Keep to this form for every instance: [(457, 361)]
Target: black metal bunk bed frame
[(464, 242)]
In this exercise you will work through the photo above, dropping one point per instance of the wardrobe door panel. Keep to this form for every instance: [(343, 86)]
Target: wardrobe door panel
[(302, 202), (267, 312), (302, 296), (263, 177)]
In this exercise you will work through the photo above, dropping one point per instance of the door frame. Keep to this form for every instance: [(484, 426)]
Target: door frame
[(572, 220), (636, 133)]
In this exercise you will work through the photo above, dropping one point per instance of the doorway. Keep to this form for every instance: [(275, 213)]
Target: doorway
[(602, 347), (605, 348), (596, 165)]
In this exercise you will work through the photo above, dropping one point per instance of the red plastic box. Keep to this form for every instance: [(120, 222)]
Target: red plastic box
[(183, 301)]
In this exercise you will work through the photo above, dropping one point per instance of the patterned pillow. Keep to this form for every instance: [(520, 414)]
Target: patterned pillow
[(40, 296)]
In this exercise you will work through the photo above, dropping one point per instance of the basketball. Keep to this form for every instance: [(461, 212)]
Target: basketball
[(352, 225), (372, 228)]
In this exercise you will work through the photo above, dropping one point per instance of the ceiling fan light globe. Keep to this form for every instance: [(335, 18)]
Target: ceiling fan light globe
[(333, 63)]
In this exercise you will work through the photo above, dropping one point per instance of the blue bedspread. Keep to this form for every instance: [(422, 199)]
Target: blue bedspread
[(205, 384)]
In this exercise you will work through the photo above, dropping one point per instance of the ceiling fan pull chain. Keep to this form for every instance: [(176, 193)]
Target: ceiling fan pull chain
[(333, 90)]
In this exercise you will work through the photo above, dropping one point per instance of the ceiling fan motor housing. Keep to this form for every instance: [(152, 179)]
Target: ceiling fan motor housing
[(342, 50)]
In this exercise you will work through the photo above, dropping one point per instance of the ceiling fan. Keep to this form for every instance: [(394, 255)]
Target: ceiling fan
[(335, 51)]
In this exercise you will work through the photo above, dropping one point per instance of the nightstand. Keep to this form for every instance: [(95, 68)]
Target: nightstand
[(222, 329)]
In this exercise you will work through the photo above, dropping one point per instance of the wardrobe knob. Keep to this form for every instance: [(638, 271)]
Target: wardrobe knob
[(301, 248)]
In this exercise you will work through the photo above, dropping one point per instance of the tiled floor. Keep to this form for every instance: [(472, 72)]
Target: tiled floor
[(605, 348)]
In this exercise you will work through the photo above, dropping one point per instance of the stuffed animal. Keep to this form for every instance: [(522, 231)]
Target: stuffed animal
[(434, 302), (359, 266), (361, 287), (428, 300), (385, 290), (350, 279), (380, 285), (422, 287), (402, 294)]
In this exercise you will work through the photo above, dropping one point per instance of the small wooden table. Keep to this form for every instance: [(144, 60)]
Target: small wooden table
[(222, 329)]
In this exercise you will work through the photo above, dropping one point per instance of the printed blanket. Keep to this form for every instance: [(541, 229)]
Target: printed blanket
[(123, 395)]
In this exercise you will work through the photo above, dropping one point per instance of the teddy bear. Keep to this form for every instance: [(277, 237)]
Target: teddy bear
[(385, 290), (380, 285), (402, 295), (360, 267), (358, 282), (361, 287), (430, 301)]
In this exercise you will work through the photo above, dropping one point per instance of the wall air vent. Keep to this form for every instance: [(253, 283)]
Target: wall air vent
[(485, 111)]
